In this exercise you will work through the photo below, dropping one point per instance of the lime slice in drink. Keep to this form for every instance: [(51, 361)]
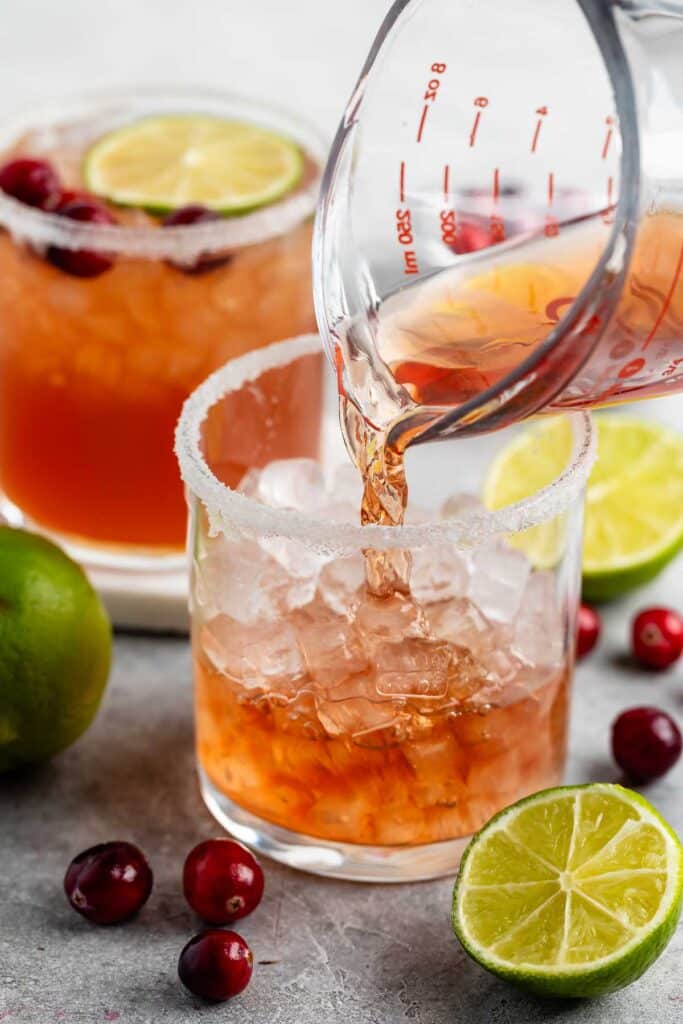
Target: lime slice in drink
[(634, 500), (571, 892), (163, 163)]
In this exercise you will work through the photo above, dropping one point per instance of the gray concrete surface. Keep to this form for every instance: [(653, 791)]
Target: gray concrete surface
[(336, 951)]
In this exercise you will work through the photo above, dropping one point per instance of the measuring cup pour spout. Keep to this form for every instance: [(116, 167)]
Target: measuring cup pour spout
[(500, 229)]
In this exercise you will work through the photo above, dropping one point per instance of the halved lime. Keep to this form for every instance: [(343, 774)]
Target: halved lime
[(165, 162), (634, 500), (572, 892)]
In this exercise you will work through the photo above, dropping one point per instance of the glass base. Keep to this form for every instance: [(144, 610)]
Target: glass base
[(350, 861), (140, 588)]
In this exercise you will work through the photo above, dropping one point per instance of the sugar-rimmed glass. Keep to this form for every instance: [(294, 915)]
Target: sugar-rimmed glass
[(93, 371), (348, 735)]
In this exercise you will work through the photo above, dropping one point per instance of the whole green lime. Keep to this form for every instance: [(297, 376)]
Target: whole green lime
[(55, 649)]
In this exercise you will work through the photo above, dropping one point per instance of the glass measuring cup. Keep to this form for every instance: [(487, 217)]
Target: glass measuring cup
[(500, 228)]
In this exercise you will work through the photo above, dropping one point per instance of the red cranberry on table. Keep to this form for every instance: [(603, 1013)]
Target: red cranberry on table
[(216, 965), (186, 216), (82, 262), (646, 743), (657, 637), (588, 627), (108, 883), (222, 880), (33, 182)]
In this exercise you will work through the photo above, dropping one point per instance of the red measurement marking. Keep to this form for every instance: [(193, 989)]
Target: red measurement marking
[(410, 262), (610, 190), (631, 369), (608, 139), (667, 300), (425, 109), (475, 127), (496, 185), (402, 182), (551, 188), (446, 184), (537, 132)]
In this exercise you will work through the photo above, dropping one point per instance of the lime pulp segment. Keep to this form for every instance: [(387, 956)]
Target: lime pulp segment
[(574, 891)]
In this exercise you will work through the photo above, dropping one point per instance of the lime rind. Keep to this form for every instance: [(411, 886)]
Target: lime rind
[(602, 975), (173, 182)]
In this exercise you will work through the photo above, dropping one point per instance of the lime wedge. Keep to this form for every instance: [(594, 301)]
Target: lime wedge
[(162, 163), (570, 892), (634, 500)]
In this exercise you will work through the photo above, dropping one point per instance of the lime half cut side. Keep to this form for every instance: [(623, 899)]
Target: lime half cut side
[(634, 498), (571, 892), (165, 162)]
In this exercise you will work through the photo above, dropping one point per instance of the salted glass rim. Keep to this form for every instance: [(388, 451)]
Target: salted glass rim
[(228, 509), (180, 242)]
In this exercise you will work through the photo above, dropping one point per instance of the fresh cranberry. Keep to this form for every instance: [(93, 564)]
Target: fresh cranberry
[(472, 234), (216, 965), (588, 629), (82, 262), (646, 742), (222, 881), (72, 195), (192, 214), (657, 635), (108, 883), (184, 217), (33, 182)]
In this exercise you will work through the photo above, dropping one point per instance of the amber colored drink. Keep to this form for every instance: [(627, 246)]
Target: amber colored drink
[(443, 779), (94, 371), (451, 338)]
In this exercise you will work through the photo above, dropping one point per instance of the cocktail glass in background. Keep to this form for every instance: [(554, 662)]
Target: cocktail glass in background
[(351, 735), (94, 367)]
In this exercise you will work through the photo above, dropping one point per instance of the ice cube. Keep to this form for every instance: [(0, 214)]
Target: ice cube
[(460, 622), (301, 563), (460, 505), (273, 661), (222, 640), (346, 485), (340, 583), (437, 574), (389, 618), (498, 576), (353, 715), (439, 764), (286, 483), (538, 627), (260, 657), (250, 483), (239, 579), (330, 646), (298, 716), (412, 668), (501, 666)]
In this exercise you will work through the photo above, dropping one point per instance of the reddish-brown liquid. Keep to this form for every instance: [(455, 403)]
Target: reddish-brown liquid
[(443, 780), (93, 374), (465, 331)]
